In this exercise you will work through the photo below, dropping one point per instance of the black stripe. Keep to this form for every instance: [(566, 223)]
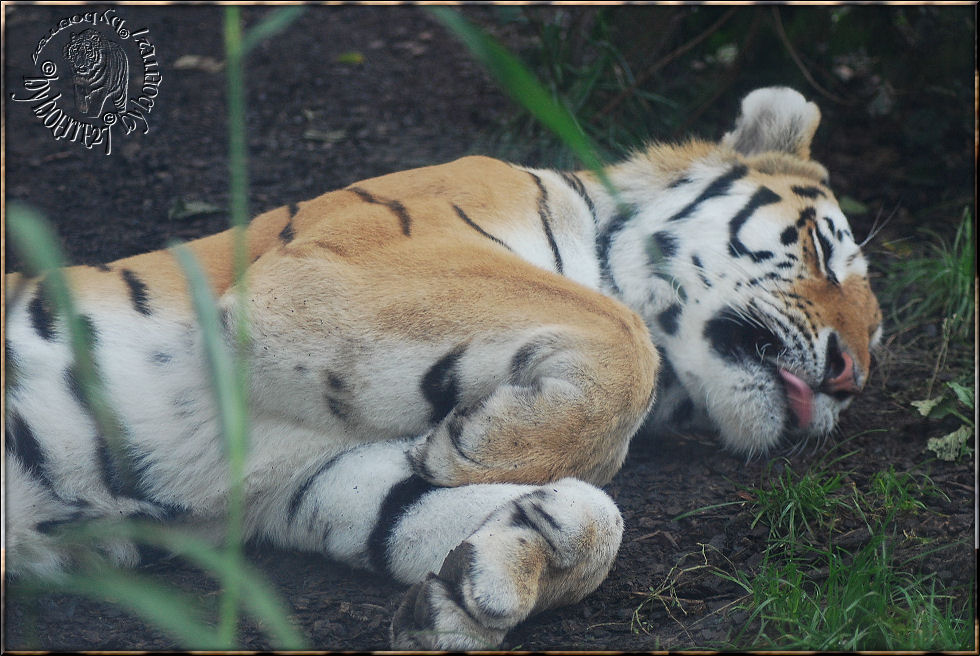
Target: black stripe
[(833, 227), (42, 317), (49, 526), (440, 384), (762, 196), (22, 443), (473, 225), (806, 215), (520, 519), (696, 261), (90, 335), (789, 236), (287, 233), (828, 252), (393, 205), (296, 500), (546, 516), (338, 407), (667, 245), (120, 473), (544, 213), (336, 388), (576, 184), (335, 381), (400, 498), (683, 412), (111, 476), (454, 429), (453, 572), (666, 378), (808, 191), (137, 292), (604, 243), (521, 361), (717, 187), (683, 180), (668, 319), (104, 268), (75, 388)]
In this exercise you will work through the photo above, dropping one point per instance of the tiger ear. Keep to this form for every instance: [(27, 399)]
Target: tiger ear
[(774, 119)]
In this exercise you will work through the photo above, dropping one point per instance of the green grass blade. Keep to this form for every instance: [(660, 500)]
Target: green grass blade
[(524, 88), (257, 595), (175, 613), (272, 24), (230, 393)]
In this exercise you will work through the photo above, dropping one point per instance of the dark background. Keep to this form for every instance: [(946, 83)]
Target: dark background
[(351, 92)]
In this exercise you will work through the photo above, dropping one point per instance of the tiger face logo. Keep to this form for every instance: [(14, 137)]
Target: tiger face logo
[(100, 70), (96, 66)]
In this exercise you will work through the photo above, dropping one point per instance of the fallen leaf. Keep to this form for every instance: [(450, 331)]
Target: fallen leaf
[(199, 63), (352, 57), (182, 210)]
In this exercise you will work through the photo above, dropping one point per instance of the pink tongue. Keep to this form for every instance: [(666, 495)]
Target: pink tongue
[(800, 398)]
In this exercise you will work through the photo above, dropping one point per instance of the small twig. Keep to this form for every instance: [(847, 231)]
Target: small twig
[(669, 537), (778, 24), (663, 61)]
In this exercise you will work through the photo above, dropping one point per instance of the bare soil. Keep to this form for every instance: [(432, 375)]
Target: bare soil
[(316, 123)]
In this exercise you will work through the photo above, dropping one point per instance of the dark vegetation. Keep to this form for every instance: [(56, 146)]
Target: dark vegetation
[(712, 543)]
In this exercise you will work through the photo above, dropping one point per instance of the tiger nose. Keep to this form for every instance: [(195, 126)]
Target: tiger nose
[(841, 378)]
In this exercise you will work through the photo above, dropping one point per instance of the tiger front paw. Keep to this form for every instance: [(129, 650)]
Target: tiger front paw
[(449, 456), (428, 618)]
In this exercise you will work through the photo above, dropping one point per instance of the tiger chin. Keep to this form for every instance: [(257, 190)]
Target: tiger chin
[(446, 362)]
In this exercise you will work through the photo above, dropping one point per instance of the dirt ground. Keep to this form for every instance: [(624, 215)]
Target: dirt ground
[(318, 121)]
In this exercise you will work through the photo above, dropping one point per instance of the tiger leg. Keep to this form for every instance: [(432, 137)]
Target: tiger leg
[(482, 557), (544, 548), (36, 515), (567, 405)]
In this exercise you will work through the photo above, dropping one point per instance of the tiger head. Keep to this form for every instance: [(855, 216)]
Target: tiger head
[(85, 51), (744, 267)]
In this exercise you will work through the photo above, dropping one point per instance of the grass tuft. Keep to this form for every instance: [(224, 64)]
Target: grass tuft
[(938, 283), (813, 593)]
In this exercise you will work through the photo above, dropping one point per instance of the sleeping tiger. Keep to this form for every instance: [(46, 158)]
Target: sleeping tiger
[(100, 71), (447, 362)]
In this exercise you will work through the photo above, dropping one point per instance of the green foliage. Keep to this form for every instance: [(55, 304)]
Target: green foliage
[(901, 491), (630, 73), (812, 593), (524, 88), (798, 501), (956, 401), (830, 577), (580, 66), (835, 600), (938, 283)]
